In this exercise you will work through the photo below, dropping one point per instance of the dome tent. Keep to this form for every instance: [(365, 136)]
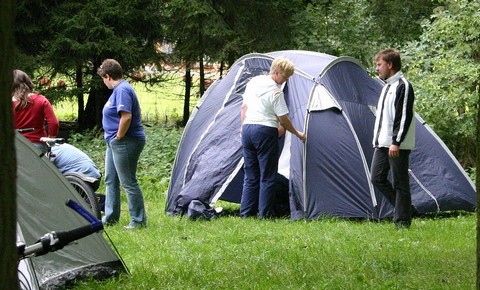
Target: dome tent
[(333, 99)]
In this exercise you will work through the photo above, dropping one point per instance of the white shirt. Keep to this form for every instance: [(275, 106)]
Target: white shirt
[(265, 102)]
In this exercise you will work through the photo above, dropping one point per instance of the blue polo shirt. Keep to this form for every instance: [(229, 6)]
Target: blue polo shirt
[(124, 99)]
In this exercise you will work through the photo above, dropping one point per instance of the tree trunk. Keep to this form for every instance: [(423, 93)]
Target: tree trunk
[(222, 63), (80, 100), (97, 98), (186, 103), (8, 213), (202, 76)]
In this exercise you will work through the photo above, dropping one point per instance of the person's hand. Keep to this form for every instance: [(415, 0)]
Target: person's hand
[(302, 137), (281, 131), (394, 151)]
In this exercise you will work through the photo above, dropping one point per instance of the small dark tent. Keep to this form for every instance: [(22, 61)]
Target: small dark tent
[(41, 195), (333, 99)]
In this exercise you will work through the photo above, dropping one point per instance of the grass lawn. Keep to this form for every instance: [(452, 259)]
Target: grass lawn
[(232, 253), (162, 103)]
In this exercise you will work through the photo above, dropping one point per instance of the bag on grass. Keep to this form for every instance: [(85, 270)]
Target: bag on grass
[(198, 209)]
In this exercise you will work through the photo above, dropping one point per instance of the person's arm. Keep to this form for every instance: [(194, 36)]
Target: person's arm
[(287, 124), (124, 124), (52, 120), (403, 117), (243, 112), (281, 131)]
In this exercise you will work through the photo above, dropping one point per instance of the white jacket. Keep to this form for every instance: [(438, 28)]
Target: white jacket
[(395, 120)]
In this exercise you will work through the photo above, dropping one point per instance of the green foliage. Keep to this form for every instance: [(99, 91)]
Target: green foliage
[(358, 28), (71, 38), (444, 66), (472, 172), (400, 20), (155, 162), (76, 32), (194, 28), (339, 28), (225, 30), (157, 159)]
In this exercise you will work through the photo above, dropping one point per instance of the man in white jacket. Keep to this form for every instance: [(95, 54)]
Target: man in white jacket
[(394, 136), (263, 110)]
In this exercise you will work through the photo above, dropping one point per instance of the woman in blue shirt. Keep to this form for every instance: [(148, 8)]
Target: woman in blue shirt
[(125, 140)]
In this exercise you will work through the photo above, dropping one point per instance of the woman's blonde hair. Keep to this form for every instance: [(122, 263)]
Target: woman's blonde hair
[(284, 66)]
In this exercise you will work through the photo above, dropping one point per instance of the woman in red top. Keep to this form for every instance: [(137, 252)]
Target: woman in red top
[(32, 110)]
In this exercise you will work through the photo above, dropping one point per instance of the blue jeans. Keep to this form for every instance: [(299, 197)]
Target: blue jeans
[(121, 160), (398, 193), (260, 154)]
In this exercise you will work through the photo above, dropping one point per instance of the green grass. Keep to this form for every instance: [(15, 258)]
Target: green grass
[(162, 103), (232, 253)]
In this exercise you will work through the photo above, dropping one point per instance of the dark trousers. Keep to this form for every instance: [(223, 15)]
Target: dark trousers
[(260, 154), (398, 191)]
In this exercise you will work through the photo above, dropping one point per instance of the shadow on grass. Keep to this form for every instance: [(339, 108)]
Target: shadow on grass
[(230, 209), (444, 214), (234, 212)]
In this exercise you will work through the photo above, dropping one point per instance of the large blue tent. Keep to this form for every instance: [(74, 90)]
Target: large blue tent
[(333, 99)]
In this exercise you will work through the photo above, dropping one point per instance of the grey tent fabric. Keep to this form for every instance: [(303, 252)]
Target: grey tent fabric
[(333, 99), (41, 195)]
